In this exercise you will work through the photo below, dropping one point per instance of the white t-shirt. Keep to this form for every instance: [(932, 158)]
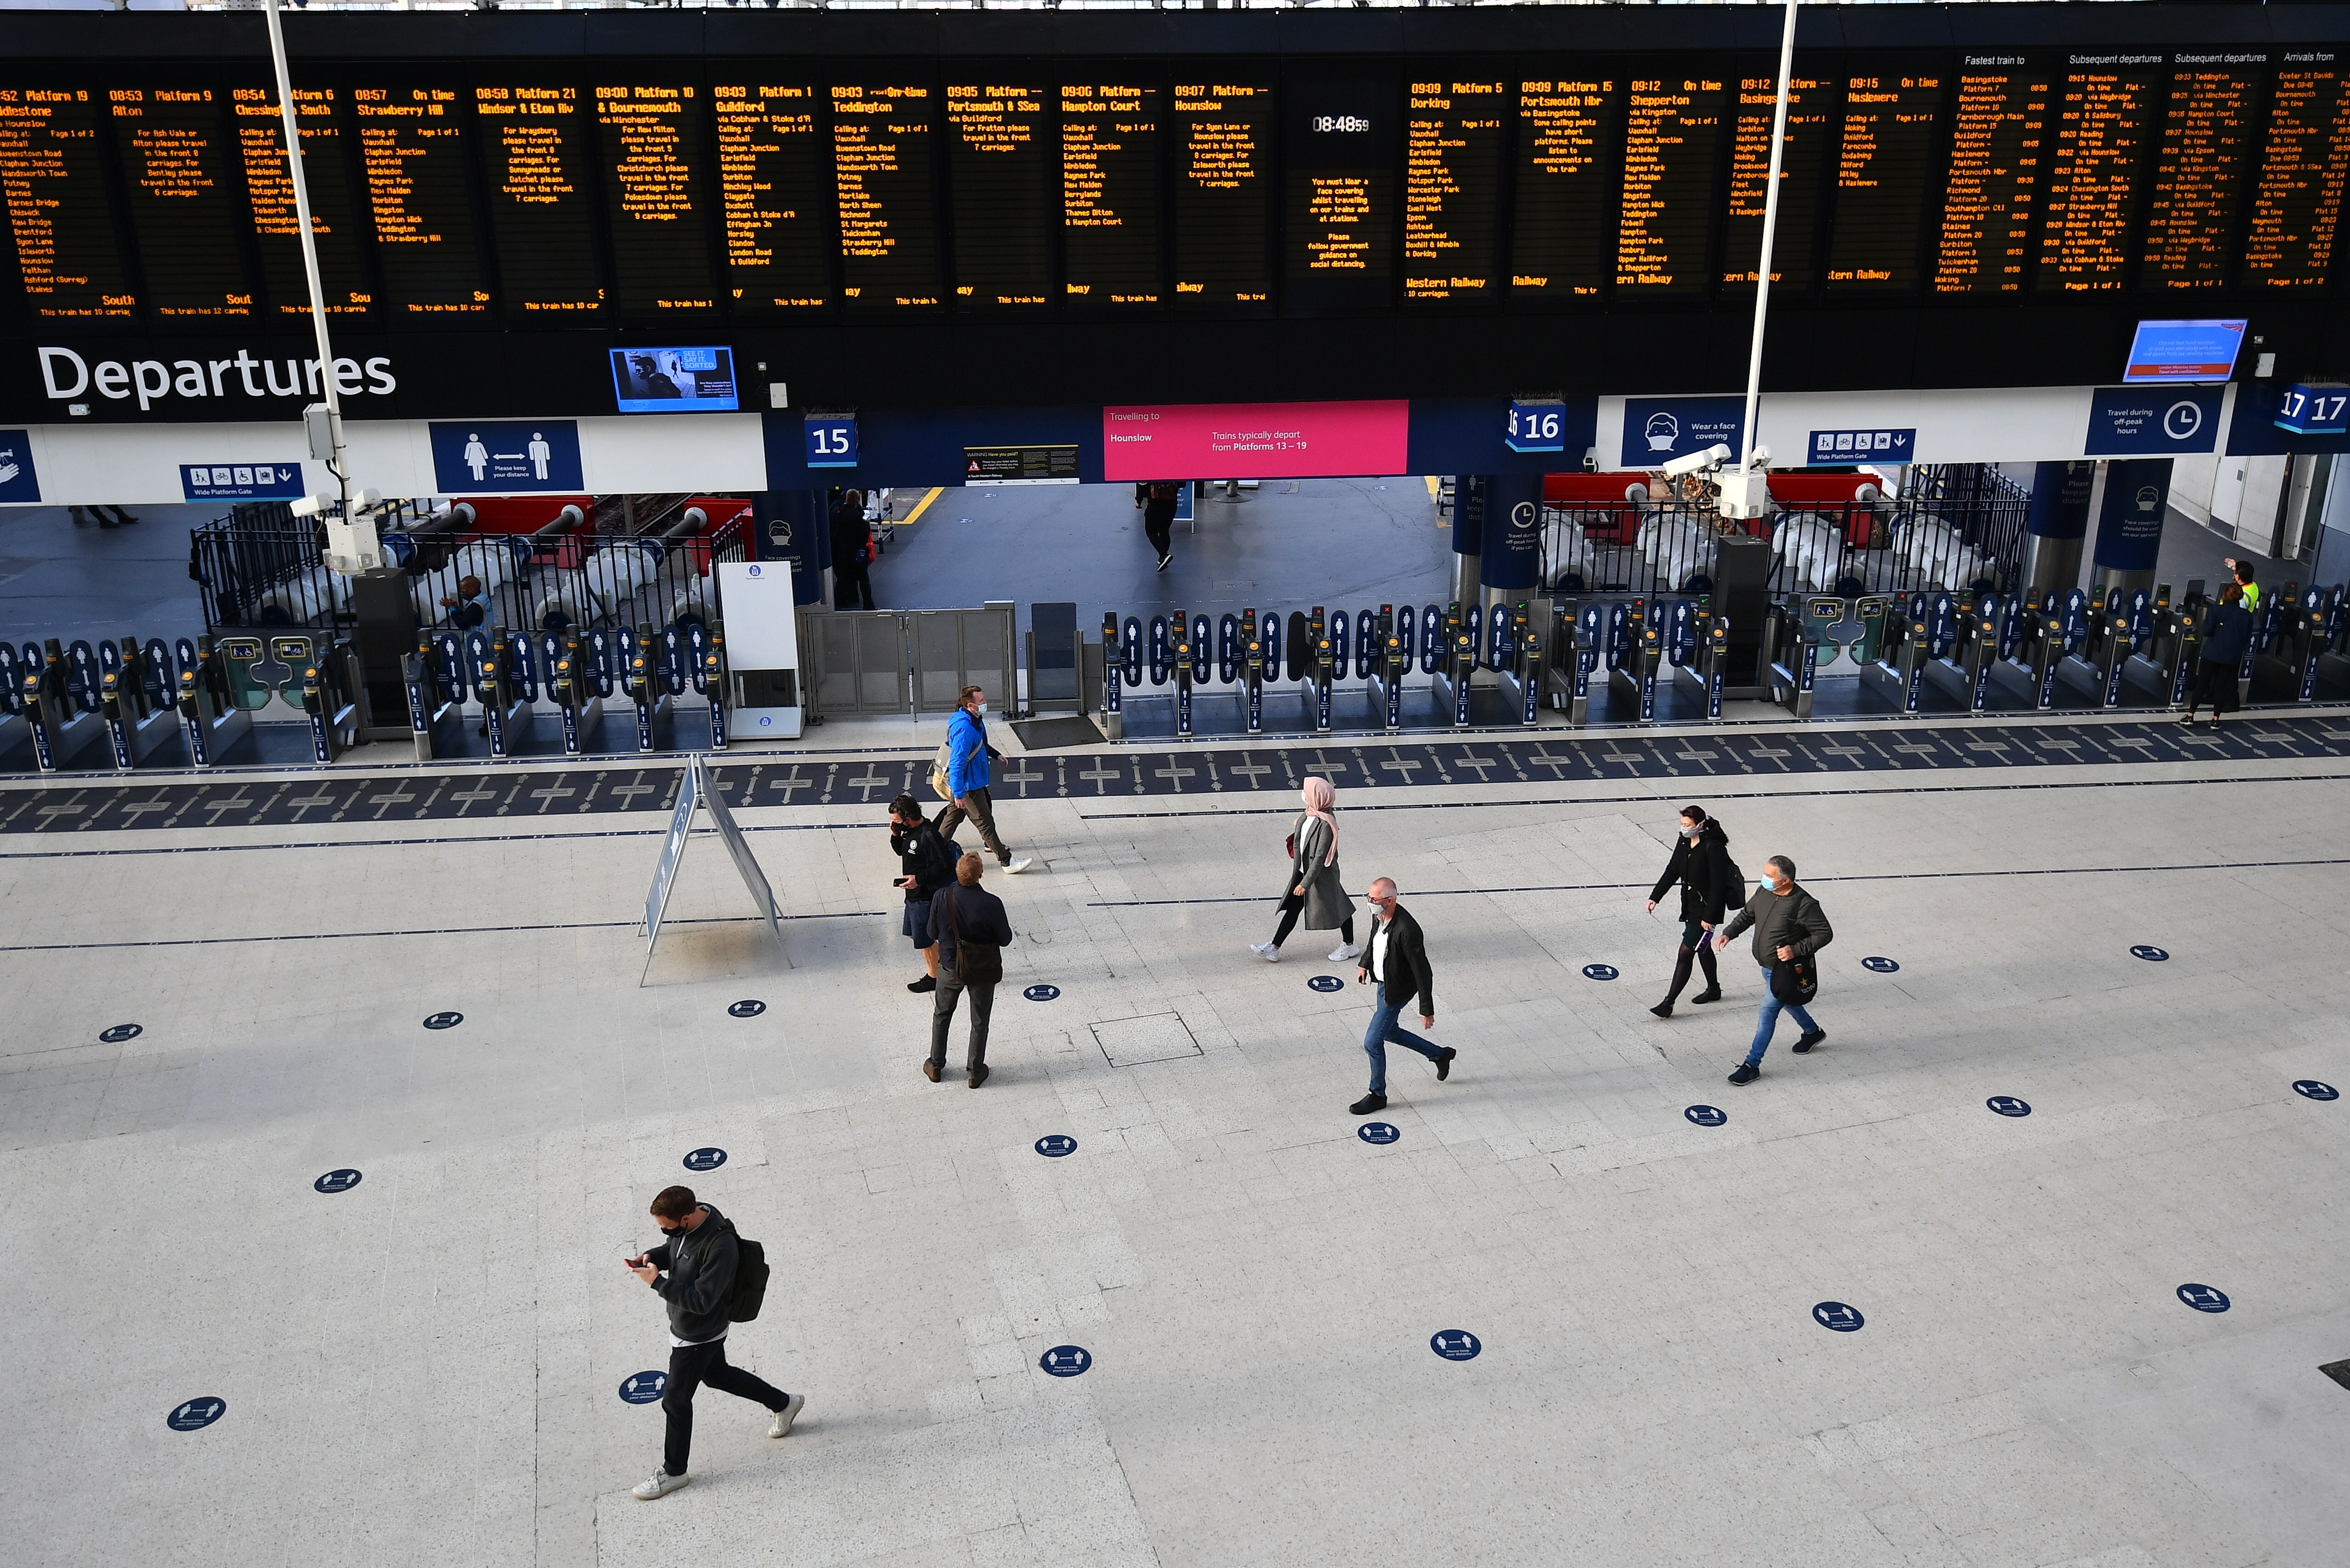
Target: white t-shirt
[(1379, 950)]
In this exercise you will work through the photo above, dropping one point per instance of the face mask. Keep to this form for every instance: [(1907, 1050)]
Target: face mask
[(672, 1230), (981, 710)]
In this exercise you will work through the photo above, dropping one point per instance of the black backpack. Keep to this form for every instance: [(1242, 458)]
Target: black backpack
[(749, 1280)]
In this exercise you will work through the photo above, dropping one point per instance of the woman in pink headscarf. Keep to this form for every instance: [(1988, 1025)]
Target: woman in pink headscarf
[(1314, 886)]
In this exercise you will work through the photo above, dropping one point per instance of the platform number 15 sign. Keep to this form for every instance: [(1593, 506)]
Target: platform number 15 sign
[(832, 441), (1538, 426)]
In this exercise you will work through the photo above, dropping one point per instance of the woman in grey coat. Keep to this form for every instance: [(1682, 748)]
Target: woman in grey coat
[(1314, 886)]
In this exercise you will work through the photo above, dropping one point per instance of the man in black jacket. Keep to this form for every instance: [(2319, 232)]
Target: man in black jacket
[(1788, 925), (969, 912), (851, 537), (1394, 957), (693, 1272), (926, 863)]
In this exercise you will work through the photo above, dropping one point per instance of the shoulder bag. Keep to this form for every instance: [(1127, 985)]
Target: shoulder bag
[(976, 963)]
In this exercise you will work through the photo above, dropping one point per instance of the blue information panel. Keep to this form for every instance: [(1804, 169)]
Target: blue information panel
[(1864, 446), (505, 457), (2184, 351), (241, 480), (1538, 425), (673, 380), (2302, 409), (1657, 430), (832, 441), (18, 482), (2131, 421)]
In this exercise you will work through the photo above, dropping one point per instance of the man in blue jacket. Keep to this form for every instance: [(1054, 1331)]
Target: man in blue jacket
[(967, 757)]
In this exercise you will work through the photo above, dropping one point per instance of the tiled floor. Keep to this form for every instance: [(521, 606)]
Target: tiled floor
[(426, 1367)]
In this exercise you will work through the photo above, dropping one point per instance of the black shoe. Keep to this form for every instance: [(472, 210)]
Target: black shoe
[(979, 1075), (1662, 1009), (927, 982), (1710, 994), (1164, 562), (1444, 1062), (929, 1070), (1747, 1072), (1810, 1040), (1368, 1104)]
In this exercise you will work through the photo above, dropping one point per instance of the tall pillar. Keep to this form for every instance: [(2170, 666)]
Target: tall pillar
[(2056, 523), (1511, 538), (2129, 524)]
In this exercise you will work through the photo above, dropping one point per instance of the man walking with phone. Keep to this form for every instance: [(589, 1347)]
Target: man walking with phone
[(694, 1272), (1789, 926), (1395, 960)]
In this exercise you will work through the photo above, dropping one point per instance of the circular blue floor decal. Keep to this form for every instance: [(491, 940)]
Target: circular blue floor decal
[(1056, 1144), (1455, 1345), (1066, 1360), (749, 1007), (2312, 1089), (1377, 1132), (2203, 1298), (1707, 1115), (1600, 971), (1837, 1317), (196, 1414), (2008, 1105), (445, 1020), (1880, 965), (644, 1387), (118, 1033), (706, 1159), (337, 1181), (2151, 955), (1325, 983), (1042, 992)]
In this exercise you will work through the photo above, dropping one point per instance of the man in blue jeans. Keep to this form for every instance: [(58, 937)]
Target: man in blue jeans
[(1395, 958), (1788, 925)]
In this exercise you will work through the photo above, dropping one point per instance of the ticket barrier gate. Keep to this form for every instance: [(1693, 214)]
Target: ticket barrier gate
[(651, 689), (2031, 645), (1897, 672), (2102, 645), (2333, 652), (217, 694), (2164, 663), (1517, 646), (59, 700), (437, 688), (1797, 642), (1697, 646), (135, 697), (579, 678), (1456, 672), (322, 680), (2286, 667), (499, 668), (1962, 644)]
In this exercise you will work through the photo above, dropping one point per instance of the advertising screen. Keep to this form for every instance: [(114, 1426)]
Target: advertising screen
[(674, 381)]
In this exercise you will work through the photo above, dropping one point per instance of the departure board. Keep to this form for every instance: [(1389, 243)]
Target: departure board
[(777, 202), (1339, 218), (998, 167), (649, 144), (1109, 192), (1880, 186), (1672, 129), (881, 138), (1997, 176), (50, 175), (2297, 210), (412, 156), (175, 165), (269, 191), (1223, 191), (2106, 124), (1564, 241), (1453, 137), (541, 190), (2200, 170), (1801, 158)]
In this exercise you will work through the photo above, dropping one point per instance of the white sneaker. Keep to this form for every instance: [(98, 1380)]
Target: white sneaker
[(1018, 866), (781, 1426), (1344, 953), (660, 1483), (1266, 951)]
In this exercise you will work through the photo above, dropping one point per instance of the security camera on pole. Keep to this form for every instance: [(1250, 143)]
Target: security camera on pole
[(351, 546), (1746, 489)]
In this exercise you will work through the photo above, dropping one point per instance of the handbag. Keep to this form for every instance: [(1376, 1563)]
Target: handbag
[(939, 784), (1795, 981), (976, 963)]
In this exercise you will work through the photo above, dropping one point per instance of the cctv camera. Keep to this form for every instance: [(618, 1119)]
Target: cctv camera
[(1704, 462)]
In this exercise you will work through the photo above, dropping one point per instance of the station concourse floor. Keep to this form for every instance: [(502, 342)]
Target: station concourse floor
[(425, 1368)]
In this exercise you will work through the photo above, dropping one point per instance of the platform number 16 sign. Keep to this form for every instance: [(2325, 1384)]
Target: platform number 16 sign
[(832, 441), (1537, 426)]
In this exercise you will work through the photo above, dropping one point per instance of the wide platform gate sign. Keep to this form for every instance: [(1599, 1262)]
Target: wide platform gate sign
[(696, 791)]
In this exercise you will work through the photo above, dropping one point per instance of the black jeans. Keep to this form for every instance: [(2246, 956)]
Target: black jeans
[(981, 811), (1159, 531), (851, 588), (691, 1365), (942, 1011)]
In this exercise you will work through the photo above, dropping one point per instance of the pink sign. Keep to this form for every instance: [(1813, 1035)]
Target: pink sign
[(1256, 440)]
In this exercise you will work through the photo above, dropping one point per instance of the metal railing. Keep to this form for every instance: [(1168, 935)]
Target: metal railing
[(258, 570), (1956, 527)]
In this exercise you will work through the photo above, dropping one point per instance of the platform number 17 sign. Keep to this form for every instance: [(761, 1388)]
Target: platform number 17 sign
[(1537, 426), (832, 441)]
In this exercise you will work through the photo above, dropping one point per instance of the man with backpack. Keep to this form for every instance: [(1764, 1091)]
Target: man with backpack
[(711, 1278), (926, 863), (1789, 929), (971, 928)]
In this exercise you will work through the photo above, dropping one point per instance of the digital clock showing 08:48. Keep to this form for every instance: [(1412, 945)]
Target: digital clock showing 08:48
[(1325, 122)]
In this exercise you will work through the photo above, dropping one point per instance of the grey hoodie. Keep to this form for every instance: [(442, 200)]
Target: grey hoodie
[(697, 1276)]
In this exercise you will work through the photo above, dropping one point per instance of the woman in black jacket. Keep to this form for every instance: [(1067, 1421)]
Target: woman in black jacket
[(2225, 633), (1700, 864)]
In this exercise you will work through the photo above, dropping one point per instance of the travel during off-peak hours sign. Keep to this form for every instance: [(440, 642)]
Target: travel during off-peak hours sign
[(1255, 440), (585, 191)]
